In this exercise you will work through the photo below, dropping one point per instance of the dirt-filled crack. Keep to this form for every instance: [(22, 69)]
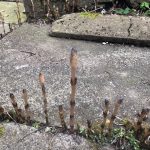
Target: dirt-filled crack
[(30, 53), (130, 26)]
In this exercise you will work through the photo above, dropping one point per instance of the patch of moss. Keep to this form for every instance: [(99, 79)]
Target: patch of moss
[(8, 11), (2, 130), (91, 15)]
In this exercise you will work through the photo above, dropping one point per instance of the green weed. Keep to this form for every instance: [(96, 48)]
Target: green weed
[(125, 139), (121, 11), (144, 6), (36, 125)]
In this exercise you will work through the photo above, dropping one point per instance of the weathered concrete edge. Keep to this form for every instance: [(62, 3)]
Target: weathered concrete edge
[(118, 40)]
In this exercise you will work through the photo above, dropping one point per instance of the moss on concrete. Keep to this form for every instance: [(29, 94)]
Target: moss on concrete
[(8, 9), (2, 130)]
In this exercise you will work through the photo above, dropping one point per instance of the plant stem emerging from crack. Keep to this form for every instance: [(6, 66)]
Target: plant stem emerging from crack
[(42, 80), (73, 65)]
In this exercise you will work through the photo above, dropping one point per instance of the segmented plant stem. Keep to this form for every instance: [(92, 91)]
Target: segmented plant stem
[(89, 124), (105, 113), (3, 22), (139, 128), (61, 115), (10, 27), (1, 110), (48, 8), (18, 12), (44, 4), (67, 6), (113, 116), (19, 112), (146, 132), (14, 103), (26, 105), (33, 8), (73, 65), (42, 80), (56, 12)]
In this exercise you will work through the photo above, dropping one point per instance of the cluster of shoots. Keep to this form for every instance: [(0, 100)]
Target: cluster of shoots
[(52, 10), (22, 116), (134, 132), (104, 128)]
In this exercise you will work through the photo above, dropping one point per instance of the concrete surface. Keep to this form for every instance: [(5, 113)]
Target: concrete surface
[(28, 138), (104, 71), (110, 28), (4, 29)]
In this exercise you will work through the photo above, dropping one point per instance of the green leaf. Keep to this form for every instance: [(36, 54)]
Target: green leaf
[(145, 5), (121, 11), (127, 11), (147, 13), (36, 125)]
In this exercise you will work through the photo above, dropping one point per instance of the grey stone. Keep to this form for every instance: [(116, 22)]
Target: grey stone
[(111, 28), (22, 137), (104, 71), (4, 29)]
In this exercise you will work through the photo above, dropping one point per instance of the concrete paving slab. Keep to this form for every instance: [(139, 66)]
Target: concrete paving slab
[(22, 137), (104, 71), (110, 28)]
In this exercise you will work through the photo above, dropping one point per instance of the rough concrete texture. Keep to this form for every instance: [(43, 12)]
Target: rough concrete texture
[(4, 29), (104, 71), (22, 137), (111, 28)]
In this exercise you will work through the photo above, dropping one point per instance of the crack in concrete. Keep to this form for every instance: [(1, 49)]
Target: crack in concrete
[(30, 53), (130, 26)]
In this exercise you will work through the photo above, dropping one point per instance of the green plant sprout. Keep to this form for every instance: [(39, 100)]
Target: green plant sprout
[(125, 11), (120, 135), (145, 5)]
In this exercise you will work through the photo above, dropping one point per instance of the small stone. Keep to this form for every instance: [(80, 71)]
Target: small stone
[(104, 43), (47, 129)]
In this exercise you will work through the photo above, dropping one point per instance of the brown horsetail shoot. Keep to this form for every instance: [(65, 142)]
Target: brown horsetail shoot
[(61, 115), (73, 66), (42, 80), (26, 104)]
